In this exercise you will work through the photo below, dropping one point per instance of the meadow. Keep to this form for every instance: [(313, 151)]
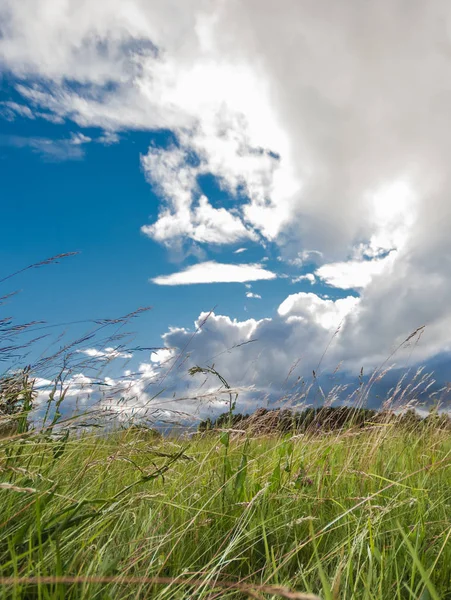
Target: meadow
[(359, 513)]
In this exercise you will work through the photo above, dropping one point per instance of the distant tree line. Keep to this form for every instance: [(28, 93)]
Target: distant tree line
[(322, 419)]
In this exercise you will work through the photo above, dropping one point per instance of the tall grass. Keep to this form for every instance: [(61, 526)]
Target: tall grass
[(357, 514)]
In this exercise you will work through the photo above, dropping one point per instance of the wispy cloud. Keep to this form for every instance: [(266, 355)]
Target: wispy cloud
[(71, 148), (213, 272), (77, 139), (308, 277), (252, 295), (304, 257), (10, 110), (108, 138), (50, 149), (240, 250)]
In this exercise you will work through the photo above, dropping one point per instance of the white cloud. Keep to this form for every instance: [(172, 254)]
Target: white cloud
[(219, 97), (308, 277), (326, 313), (187, 213), (304, 257), (80, 386), (11, 109), (162, 356), (259, 355), (49, 149), (252, 295), (355, 273), (108, 138), (265, 359), (213, 272), (79, 138), (394, 212), (105, 354), (240, 250), (217, 108)]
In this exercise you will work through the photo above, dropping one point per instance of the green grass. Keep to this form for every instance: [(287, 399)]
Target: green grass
[(364, 514)]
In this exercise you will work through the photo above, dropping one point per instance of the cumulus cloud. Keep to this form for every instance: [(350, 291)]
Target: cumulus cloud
[(78, 388), (264, 360), (219, 97), (326, 313), (252, 295), (186, 212), (273, 358), (263, 356), (162, 355), (213, 272)]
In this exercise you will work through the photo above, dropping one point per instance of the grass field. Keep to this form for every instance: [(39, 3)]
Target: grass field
[(357, 514)]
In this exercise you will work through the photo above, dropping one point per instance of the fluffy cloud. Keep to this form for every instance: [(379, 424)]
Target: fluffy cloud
[(213, 272), (265, 361), (252, 295), (326, 313), (269, 358), (187, 213), (273, 359), (220, 96)]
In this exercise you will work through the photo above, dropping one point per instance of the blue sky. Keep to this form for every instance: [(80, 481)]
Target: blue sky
[(94, 199), (166, 155), (95, 203)]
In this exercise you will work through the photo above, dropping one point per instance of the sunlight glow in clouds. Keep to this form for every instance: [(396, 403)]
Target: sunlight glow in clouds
[(354, 273), (394, 213), (310, 307)]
